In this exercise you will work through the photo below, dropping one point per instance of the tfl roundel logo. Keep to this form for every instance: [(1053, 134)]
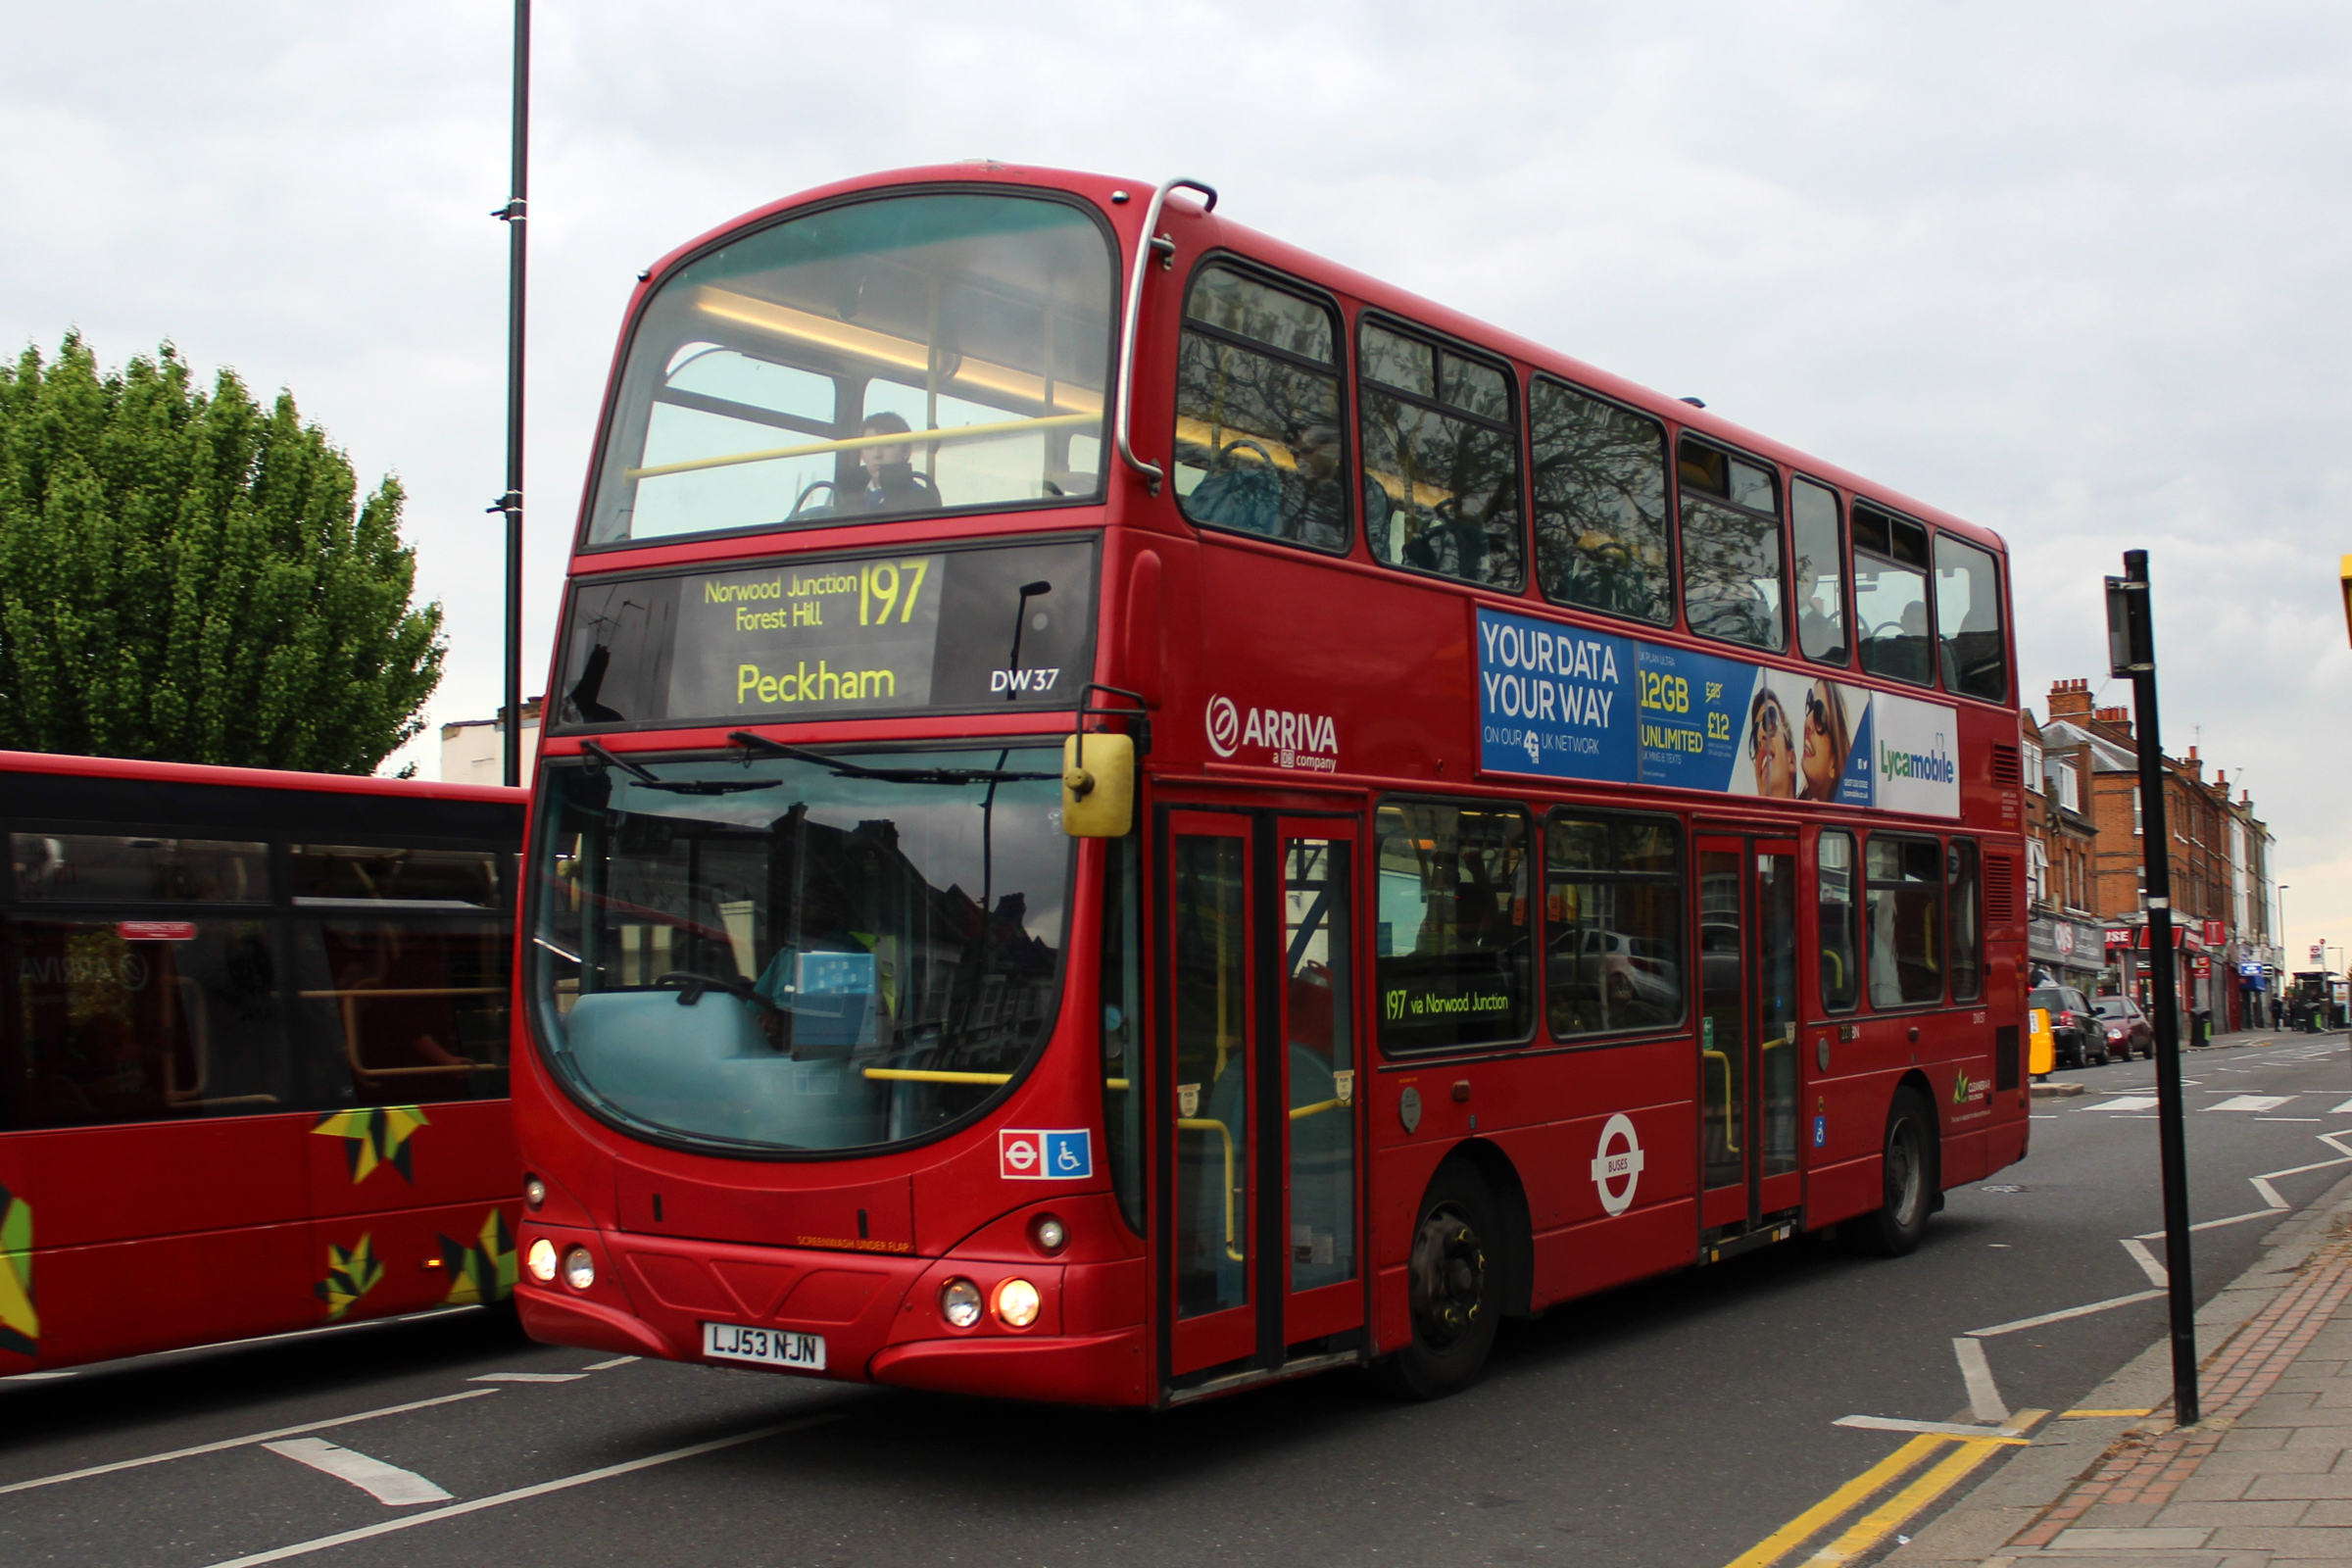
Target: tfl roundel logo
[(1224, 725), (1038, 1154)]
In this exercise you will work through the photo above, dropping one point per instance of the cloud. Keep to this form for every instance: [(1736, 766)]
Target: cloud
[(2074, 272)]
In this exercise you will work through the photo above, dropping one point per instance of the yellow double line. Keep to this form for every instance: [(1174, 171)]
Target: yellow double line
[(1960, 1457)]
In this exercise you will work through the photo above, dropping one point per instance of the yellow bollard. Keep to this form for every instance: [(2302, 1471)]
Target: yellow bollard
[(2041, 1054)]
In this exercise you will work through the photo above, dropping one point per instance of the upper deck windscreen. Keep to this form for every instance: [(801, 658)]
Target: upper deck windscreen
[(887, 358)]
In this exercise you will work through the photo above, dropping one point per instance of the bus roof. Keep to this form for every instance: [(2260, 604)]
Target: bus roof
[(1127, 218), (267, 779)]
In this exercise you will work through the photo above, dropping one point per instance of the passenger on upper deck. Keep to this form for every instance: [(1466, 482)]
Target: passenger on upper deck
[(1323, 515), (891, 481)]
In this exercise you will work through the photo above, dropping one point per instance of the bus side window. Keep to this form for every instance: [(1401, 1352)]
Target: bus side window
[(1840, 939), (1960, 871), (1441, 460), (1906, 921), (1259, 443), (1601, 505), (1731, 569), (1968, 621), (1891, 596), (1613, 932), (1451, 946), (1820, 572)]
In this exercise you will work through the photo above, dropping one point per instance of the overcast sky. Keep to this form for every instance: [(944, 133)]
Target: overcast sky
[(2075, 272)]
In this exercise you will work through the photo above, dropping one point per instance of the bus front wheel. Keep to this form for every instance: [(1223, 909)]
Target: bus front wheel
[(1908, 1176), (1454, 1279)]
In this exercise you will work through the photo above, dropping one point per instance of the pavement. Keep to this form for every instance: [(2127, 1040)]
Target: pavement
[(2263, 1480)]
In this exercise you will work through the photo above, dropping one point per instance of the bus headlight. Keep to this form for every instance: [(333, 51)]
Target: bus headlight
[(1016, 1303), (541, 1260), (1049, 1233), (960, 1302), (534, 1192), (579, 1269)]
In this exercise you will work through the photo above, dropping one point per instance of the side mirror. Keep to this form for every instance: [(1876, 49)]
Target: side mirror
[(1097, 786)]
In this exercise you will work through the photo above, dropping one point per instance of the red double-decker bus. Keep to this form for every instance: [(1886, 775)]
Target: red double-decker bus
[(253, 1054), (1128, 812)]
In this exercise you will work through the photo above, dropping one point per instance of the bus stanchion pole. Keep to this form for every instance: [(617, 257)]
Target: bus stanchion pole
[(2131, 651), (510, 503)]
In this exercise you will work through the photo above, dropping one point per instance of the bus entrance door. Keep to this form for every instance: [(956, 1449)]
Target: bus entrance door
[(1747, 1068), (1259, 1170)]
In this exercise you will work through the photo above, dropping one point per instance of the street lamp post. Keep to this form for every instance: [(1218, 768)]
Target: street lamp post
[(510, 503)]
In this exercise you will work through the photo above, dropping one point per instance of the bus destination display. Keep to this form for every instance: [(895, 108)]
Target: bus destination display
[(1010, 626)]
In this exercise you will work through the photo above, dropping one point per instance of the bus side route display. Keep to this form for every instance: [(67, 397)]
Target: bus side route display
[(954, 630)]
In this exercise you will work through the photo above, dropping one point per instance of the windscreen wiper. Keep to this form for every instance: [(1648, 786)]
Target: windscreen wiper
[(844, 768), (645, 776)]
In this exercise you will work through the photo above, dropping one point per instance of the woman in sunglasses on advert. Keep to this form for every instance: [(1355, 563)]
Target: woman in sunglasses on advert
[(1771, 746), (1826, 742)]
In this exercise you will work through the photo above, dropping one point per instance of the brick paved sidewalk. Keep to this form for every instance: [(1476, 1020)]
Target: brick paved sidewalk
[(2265, 1480)]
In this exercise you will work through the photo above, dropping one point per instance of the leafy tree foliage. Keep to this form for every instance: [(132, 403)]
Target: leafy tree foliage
[(185, 577)]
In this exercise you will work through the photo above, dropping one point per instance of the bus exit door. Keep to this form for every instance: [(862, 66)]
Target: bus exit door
[(1259, 1220), (1747, 1041)]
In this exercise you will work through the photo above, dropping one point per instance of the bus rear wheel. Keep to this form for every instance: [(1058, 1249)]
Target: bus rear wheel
[(1453, 1280), (1895, 1228)]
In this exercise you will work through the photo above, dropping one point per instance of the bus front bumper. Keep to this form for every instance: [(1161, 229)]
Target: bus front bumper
[(880, 1316)]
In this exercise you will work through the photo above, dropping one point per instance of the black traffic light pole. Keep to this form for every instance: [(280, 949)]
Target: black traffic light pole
[(2131, 651), (511, 214)]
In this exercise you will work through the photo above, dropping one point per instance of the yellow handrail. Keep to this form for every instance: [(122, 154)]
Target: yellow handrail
[(899, 438), (1730, 1137), (1315, 1110), (925, 1075), (1204, 1124)]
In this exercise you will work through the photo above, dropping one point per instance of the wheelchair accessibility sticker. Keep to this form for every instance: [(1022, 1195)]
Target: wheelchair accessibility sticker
[(1032, 1154)]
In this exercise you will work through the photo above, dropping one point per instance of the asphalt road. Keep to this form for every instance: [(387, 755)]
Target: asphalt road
[(1672, 1424)]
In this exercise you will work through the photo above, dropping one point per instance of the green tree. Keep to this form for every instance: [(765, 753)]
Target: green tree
[(185, 577)]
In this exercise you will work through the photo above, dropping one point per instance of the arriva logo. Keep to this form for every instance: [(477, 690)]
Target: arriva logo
[(1309, 741)]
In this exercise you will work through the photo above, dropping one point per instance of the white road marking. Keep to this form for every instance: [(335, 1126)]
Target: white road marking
[(33, 1377), (387, 1483), (1984, 1398), (528, 1377), (2062, 1316), (303, 1548), (1939, 1429), (2146, 1261), (607, 1366), (2124, 1102), (2290, 1118), (2252, 1102), (239, 1443), (2341, 1109)]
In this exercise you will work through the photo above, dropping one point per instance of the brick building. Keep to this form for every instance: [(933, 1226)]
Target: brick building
[(2221, 888)]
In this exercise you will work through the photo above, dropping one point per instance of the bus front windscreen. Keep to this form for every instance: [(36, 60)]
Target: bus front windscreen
[(775, 954), (888, 357)]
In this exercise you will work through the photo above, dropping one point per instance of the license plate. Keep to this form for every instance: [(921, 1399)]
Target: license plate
[(770, 1347)]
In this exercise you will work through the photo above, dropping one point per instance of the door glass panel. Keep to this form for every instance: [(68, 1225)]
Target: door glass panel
[(1776, 1007), (1212, 1072), (1319, 1028), (1721, 1061)]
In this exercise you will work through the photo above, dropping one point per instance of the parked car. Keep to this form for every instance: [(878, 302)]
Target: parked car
[(2126, 1027), (2074, 1028)]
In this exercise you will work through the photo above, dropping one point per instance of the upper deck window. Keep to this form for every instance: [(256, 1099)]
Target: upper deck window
[(1820, 572), (1601, 505), (1259, 444), (1891, 595), (1731, 548), (1968, 621), (887, 358), (1441, 460)]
